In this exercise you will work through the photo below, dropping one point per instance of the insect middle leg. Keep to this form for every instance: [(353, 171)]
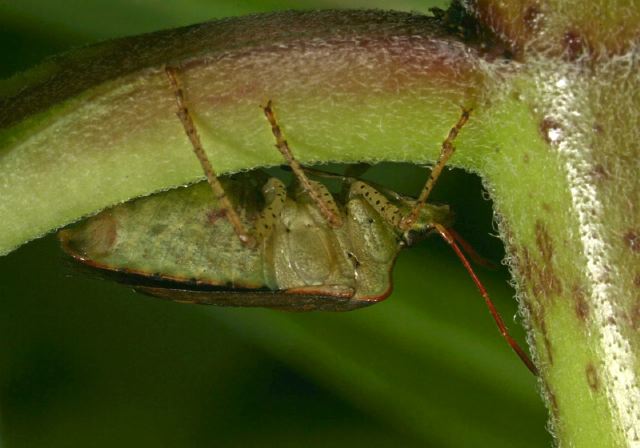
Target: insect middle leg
[(185, 117), (445, 154), (318, 195)]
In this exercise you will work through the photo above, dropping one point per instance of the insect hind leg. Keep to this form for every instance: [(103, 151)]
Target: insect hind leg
[(190, 129), (325, 207)]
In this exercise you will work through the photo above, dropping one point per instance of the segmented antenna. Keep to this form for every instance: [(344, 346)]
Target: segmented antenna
[(448, 237)]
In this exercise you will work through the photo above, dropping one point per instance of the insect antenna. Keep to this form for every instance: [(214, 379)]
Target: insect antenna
[(450, 239), (470, 251)]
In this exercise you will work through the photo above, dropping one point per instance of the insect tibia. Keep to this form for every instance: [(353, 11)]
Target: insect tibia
[(190, 129), (446, 152), (334, 219)]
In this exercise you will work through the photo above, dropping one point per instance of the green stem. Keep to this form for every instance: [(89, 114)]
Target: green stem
[(575, 252)]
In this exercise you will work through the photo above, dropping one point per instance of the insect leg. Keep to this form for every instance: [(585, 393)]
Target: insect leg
[(275, 195), (325, 208), (379, 202), (445, 154), (444, 233), (326, 196), (190, 129)]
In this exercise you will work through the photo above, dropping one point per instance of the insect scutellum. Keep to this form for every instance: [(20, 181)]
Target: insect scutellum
[(409, 219)]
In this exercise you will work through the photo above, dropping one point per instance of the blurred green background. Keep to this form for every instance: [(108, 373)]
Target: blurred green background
[(84, 362)]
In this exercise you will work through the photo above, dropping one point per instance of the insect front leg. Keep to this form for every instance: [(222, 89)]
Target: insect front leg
[(190, 129), (445, 154), (334, 219)]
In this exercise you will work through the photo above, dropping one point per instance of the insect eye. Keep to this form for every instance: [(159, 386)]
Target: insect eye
[(416, 234), (410, 237)]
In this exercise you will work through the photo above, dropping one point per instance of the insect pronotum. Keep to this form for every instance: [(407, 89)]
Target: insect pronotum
[(298, 249)]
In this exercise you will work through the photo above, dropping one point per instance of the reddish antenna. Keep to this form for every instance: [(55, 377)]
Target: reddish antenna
[(468, 249), (451, 241)]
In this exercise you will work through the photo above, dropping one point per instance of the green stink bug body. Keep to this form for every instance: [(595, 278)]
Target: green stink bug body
[(298, 249), (175, 245)]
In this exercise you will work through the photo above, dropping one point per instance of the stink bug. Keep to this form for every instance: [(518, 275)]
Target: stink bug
[(297, 248)]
